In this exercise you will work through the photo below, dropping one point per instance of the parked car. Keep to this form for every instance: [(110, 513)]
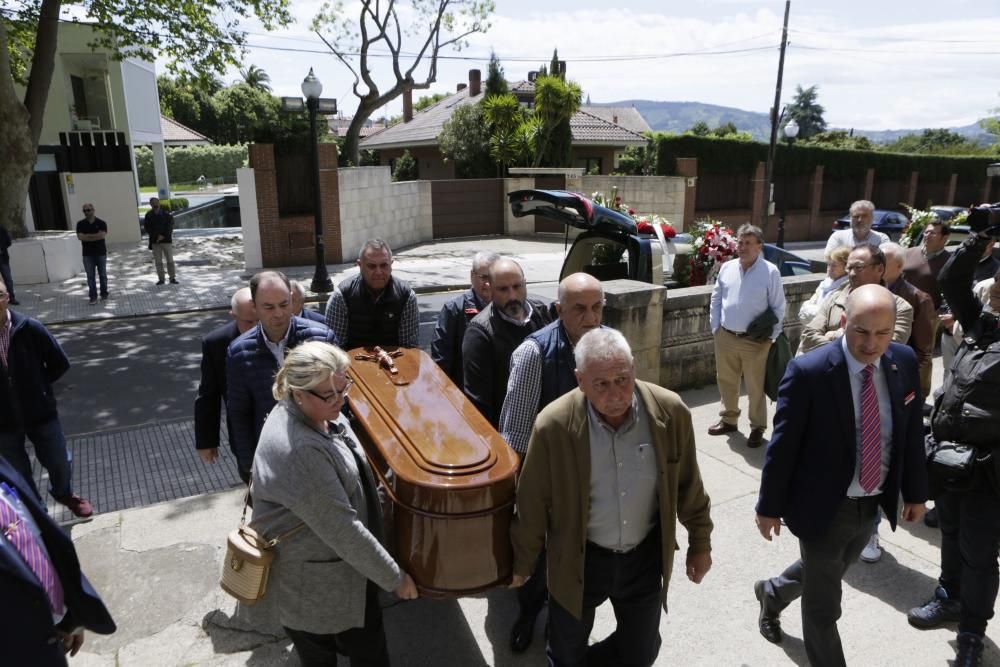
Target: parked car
[(610, 245), (887, 222), (947, 213)]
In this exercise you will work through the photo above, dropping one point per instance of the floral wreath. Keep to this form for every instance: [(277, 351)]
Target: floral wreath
[(644, 223), (712, 245)]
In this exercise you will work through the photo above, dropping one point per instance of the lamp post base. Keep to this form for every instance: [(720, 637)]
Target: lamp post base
[(321, 282)]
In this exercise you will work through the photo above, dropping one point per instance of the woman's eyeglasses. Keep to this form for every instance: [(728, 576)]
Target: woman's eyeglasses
[(332, 397)]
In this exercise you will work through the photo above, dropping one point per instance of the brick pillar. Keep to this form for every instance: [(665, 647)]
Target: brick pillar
[(815, 202), (261, 158), (869, 184), (329, 191), (952, 187), (911, 190), (688, 168), (758, 197)]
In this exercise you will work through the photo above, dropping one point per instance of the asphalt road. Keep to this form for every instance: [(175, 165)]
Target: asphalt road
[(136, 371)]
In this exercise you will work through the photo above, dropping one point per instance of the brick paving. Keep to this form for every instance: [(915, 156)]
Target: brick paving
[(135, 467)]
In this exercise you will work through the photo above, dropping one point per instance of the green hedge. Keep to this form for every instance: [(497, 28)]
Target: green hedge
[(187, 163), (727, 156), (175, 204)]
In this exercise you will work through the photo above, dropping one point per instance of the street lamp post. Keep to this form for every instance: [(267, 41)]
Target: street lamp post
[(312, 89), (791, 130)]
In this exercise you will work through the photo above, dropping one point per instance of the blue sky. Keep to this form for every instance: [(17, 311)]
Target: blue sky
[(880, 64)]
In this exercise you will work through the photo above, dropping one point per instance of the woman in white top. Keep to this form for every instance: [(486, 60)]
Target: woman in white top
[(836, 276)]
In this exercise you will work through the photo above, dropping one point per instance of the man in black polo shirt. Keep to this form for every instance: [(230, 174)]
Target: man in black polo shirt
[(92, 231), (373, 308)]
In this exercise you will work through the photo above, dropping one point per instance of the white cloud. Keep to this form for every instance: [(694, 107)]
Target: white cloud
[(896, 77)]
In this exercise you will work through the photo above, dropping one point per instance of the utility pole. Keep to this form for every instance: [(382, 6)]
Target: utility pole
[(775, 119)]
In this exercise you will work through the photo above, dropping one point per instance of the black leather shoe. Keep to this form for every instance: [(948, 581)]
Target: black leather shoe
[(522, 633), (756, 438), (970, 650), (931, 518), (767, 621), (939, 609)]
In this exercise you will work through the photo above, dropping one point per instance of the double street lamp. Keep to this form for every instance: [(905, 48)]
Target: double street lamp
[(312, 89), (791, 130)]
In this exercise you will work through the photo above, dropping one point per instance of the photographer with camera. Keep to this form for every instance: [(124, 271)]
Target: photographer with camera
[(965, 422)]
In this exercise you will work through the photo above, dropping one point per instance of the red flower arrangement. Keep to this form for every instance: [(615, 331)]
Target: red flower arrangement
[(646, 227), (713, 244)]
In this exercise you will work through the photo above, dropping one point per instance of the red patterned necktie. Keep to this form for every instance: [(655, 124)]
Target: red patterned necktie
[(871, 432), (14, 528)]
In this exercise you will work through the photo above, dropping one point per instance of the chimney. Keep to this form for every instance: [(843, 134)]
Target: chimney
[(475, 81), (614, 119), (407, 105), (461, 87)]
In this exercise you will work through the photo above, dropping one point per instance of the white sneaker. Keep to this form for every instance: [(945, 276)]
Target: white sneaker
[(872, 553)]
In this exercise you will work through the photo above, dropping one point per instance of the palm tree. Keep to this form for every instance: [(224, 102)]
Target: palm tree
[(257, 78)]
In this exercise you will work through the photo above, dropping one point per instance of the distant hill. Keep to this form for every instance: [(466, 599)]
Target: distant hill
[(679, 116)]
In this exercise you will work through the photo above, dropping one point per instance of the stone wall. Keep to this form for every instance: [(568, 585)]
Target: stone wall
[(687, 352), (630, 307), (662, 195), (372, 205)]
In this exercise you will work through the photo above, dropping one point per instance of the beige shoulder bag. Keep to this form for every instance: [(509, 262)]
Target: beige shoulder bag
[(248, 560)]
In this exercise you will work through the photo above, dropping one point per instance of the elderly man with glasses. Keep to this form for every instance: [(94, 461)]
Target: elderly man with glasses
[(92, 231)]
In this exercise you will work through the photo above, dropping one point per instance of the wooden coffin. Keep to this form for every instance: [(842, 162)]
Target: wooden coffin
[(448, 473)]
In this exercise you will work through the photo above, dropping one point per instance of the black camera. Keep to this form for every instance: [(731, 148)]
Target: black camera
[(983, 217)]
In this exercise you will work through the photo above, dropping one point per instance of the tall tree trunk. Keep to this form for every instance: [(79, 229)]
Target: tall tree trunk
[(22, 122)]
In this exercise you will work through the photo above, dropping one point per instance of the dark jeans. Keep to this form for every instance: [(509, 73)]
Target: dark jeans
[(633, 582), (970, 542), (364, 646), (50, 449), (100, 263), (8, 280), (817, 578)]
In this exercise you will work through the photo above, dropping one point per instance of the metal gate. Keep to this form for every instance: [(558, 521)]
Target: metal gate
[(467, 207)]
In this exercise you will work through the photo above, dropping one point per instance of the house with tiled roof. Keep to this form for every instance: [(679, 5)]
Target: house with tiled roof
[(175, 134), (600, 134)]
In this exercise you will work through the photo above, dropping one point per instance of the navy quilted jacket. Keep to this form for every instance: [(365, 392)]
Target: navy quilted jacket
[(250, 371)]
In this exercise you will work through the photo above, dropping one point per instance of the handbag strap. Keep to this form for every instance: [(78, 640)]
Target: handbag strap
[(275, 540)]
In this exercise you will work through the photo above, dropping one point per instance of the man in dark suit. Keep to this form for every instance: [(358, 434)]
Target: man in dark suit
[(299, 304), (212, 390), (40, 624), (848, 438)]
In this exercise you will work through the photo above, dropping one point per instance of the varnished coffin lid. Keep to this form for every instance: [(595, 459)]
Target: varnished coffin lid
[(426, 429)]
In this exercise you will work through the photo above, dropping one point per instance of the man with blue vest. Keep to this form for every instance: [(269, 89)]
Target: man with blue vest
[(542, 369)]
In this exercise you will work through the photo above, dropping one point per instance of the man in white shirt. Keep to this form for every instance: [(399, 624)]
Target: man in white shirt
[(862, 214), (746, 289)]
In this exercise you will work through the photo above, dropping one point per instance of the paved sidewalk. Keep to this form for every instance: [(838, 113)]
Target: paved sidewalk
[(157, 567), (210, 268)]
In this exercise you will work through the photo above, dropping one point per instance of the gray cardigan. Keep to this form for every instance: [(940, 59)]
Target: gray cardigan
[(300, 474)]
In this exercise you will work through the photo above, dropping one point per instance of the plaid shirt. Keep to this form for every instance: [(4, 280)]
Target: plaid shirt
[(5, 339), (524, 390)]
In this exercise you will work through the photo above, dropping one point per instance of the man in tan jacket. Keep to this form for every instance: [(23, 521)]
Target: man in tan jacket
[(865, 266), (610, 469)]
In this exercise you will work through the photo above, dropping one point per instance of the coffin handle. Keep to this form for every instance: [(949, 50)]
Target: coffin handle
[(424, 513)]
